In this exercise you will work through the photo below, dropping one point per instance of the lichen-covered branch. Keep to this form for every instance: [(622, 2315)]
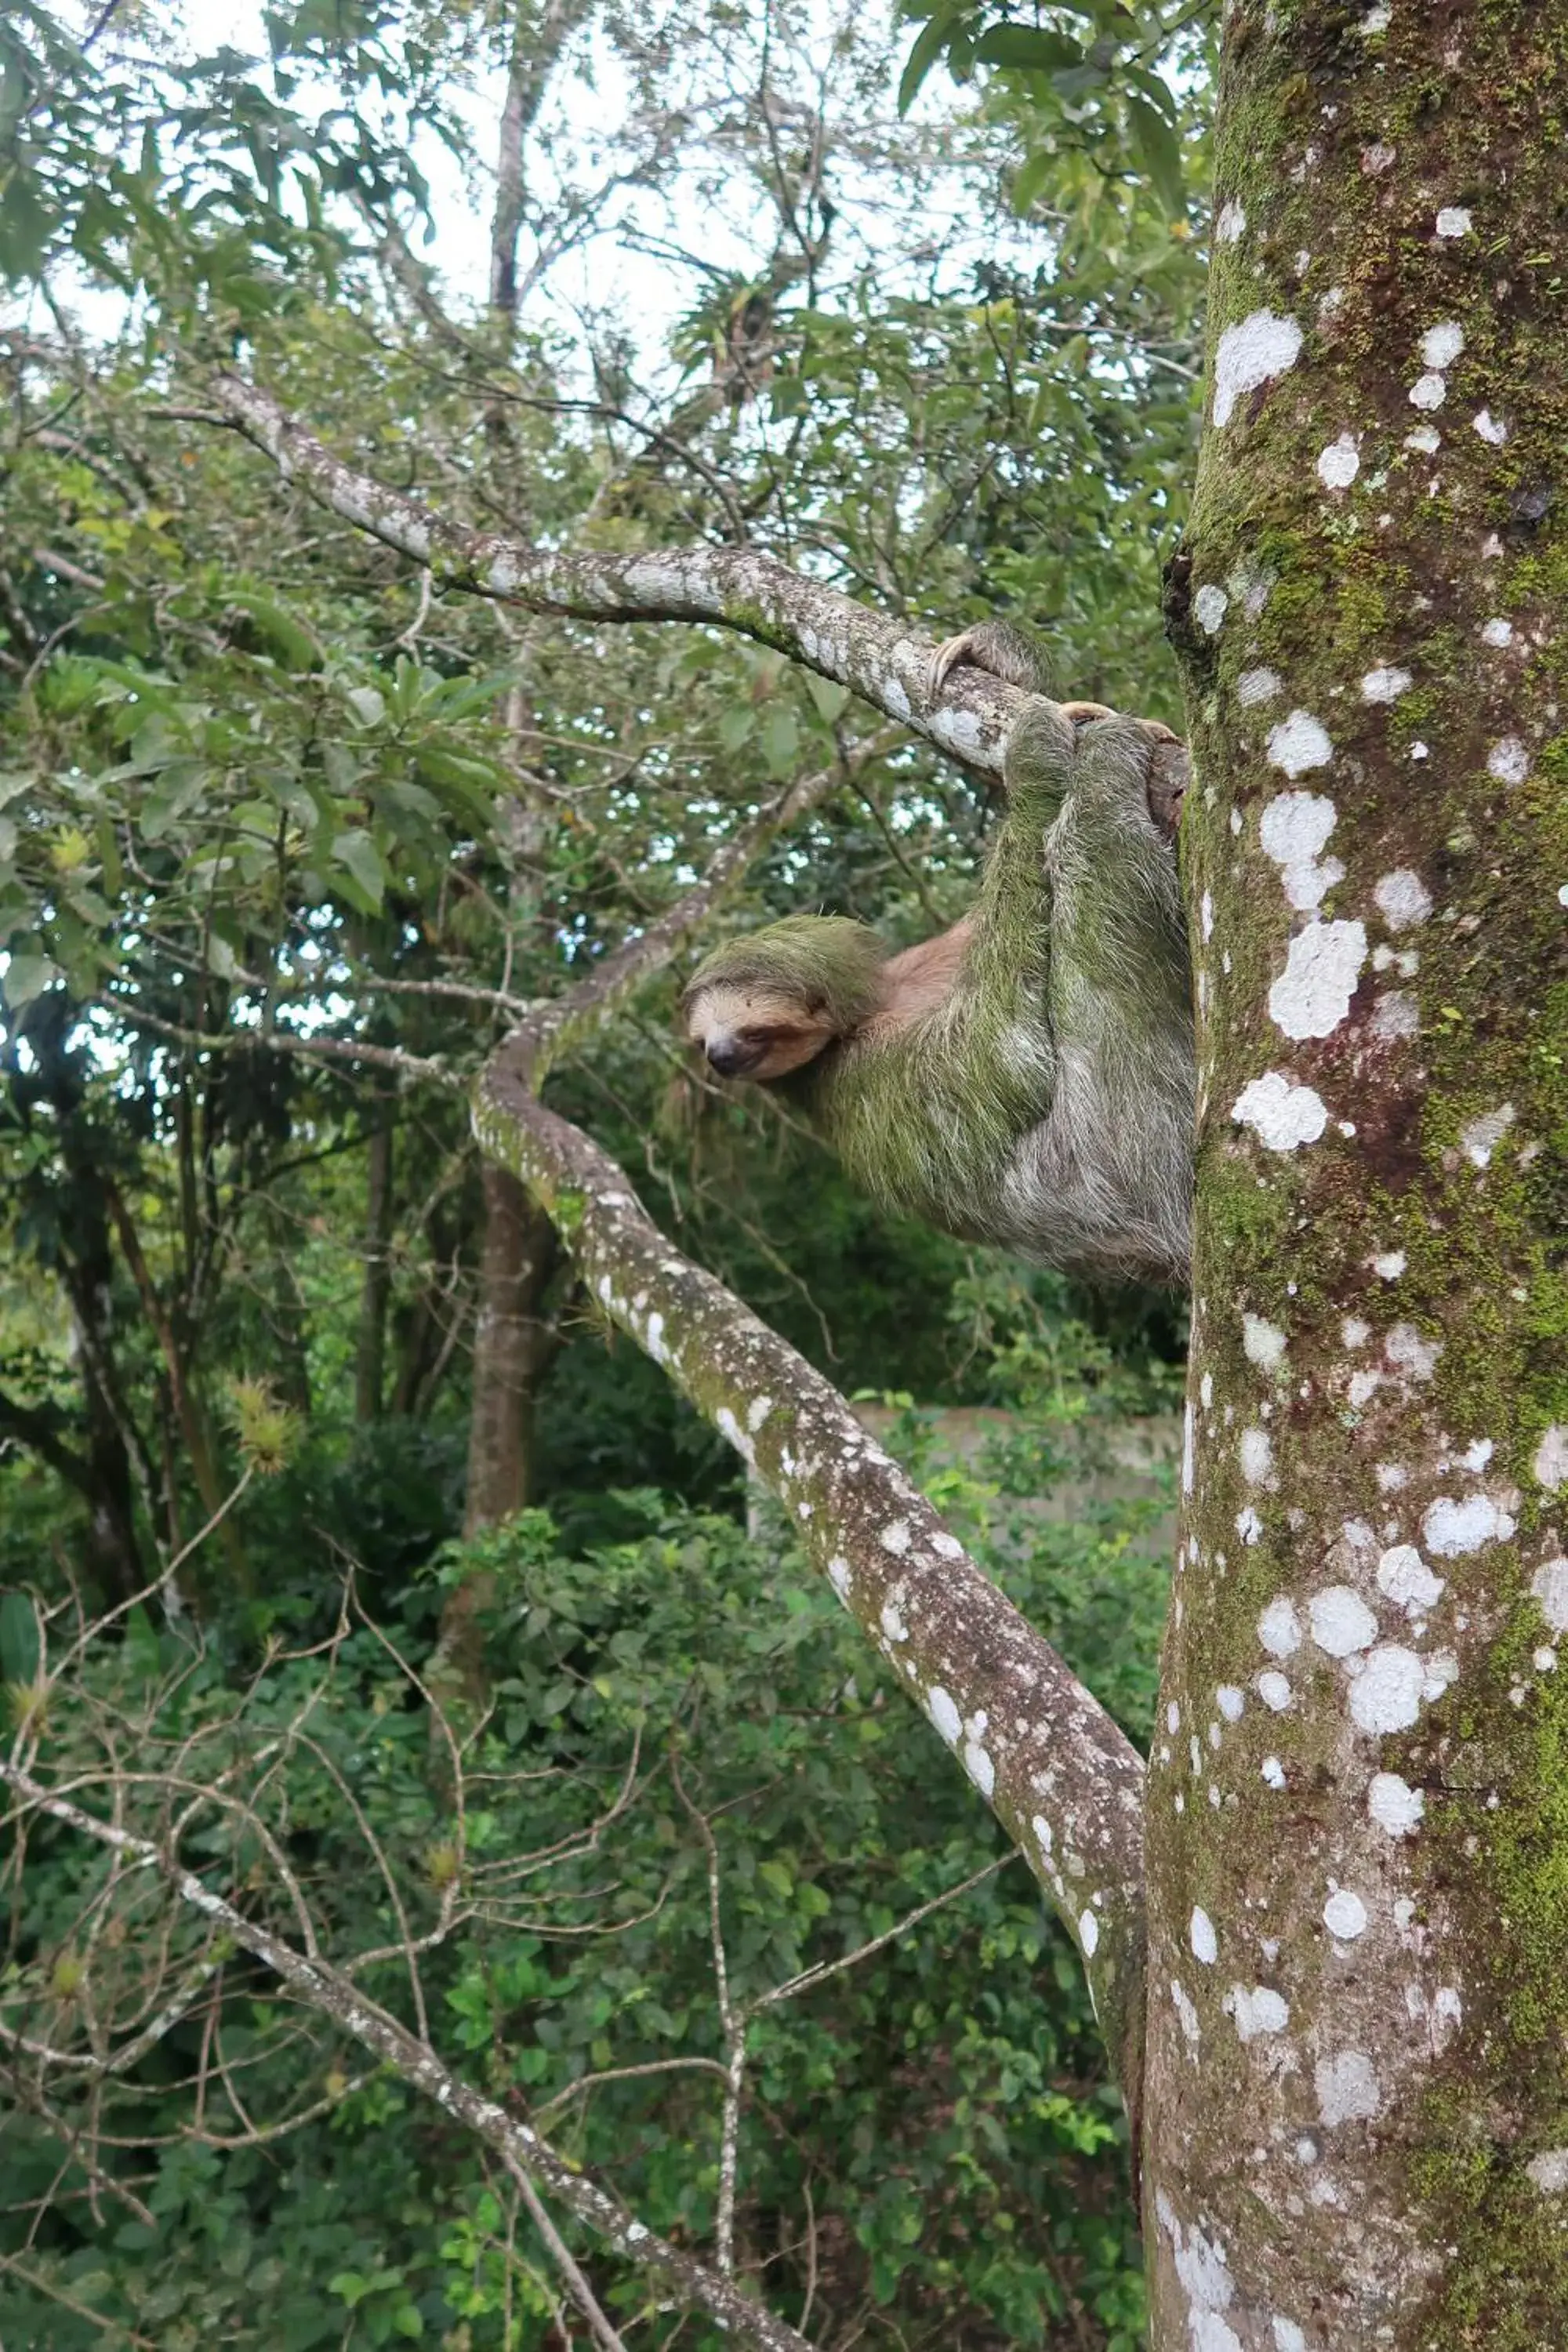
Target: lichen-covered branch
[(730, 587), (1060, 1776), (329, 1993)]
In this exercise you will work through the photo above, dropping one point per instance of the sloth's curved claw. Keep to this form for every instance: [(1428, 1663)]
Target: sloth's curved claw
[(946, 659)]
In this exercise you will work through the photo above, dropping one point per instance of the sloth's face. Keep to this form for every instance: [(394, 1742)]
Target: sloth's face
[(754, 1033)]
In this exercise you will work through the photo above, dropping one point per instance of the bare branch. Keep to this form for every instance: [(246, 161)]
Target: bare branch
[(323, 1989), (284, 1041), (560, 2254), (631, 2073), (733, 2024), (809, 1978)]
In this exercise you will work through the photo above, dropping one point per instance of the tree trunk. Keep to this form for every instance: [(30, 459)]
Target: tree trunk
[(536, 46), (1356, 2110), (113, 1554), (290, 1322), (370, 1356), (186, 1405), (512, 1346)]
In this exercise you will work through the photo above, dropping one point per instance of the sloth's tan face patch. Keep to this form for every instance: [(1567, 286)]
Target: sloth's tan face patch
[(754, 1033)]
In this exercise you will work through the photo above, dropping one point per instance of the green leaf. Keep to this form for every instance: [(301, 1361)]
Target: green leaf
[(735, 725), (27, 976), (1074, 82), (342, 765), (27, 224), (1028, 48), (780, 739), (176, 794), (359, 857), (471, 785), (929, 46), (1031, 176), (1162, 154), (294, 643), (108, 857), (19, 1646), (828, 694)]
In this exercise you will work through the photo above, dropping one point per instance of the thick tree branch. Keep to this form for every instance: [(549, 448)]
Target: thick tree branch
[(326, 1991), (732, 587), (1060, 1776)]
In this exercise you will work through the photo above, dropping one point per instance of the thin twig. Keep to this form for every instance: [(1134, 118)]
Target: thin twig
[(733, 2024), (810, 1978), (561, 2255)]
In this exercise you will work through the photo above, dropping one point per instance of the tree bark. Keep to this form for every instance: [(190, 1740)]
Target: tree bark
[(536, 48), (113, 1553), (1357, 2093), (370, 1355), (512, 1343)]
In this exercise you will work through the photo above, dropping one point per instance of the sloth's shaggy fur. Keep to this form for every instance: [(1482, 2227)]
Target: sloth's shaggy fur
[(1028, 1078)]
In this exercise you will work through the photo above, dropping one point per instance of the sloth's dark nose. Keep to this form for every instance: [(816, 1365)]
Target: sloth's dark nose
[(729, 1057)]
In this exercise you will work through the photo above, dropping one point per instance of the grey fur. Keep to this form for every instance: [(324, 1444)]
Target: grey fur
[(1102, 1184)]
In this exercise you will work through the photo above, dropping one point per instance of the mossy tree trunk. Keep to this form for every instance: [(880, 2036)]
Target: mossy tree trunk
[(513, 1343), (1356, 2110)]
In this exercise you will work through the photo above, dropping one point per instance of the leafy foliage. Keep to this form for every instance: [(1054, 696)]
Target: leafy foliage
[(929, 2131), (271, 808)]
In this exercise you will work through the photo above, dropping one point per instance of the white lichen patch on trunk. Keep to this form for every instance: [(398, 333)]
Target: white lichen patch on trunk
[(1323, 969), (1249, 355), (1283, 1115), (1294, 830)]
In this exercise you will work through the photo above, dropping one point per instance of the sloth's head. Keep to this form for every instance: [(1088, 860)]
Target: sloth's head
[(761, 1006)]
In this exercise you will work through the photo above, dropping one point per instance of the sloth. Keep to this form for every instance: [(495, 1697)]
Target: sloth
[(1028, 1078)]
